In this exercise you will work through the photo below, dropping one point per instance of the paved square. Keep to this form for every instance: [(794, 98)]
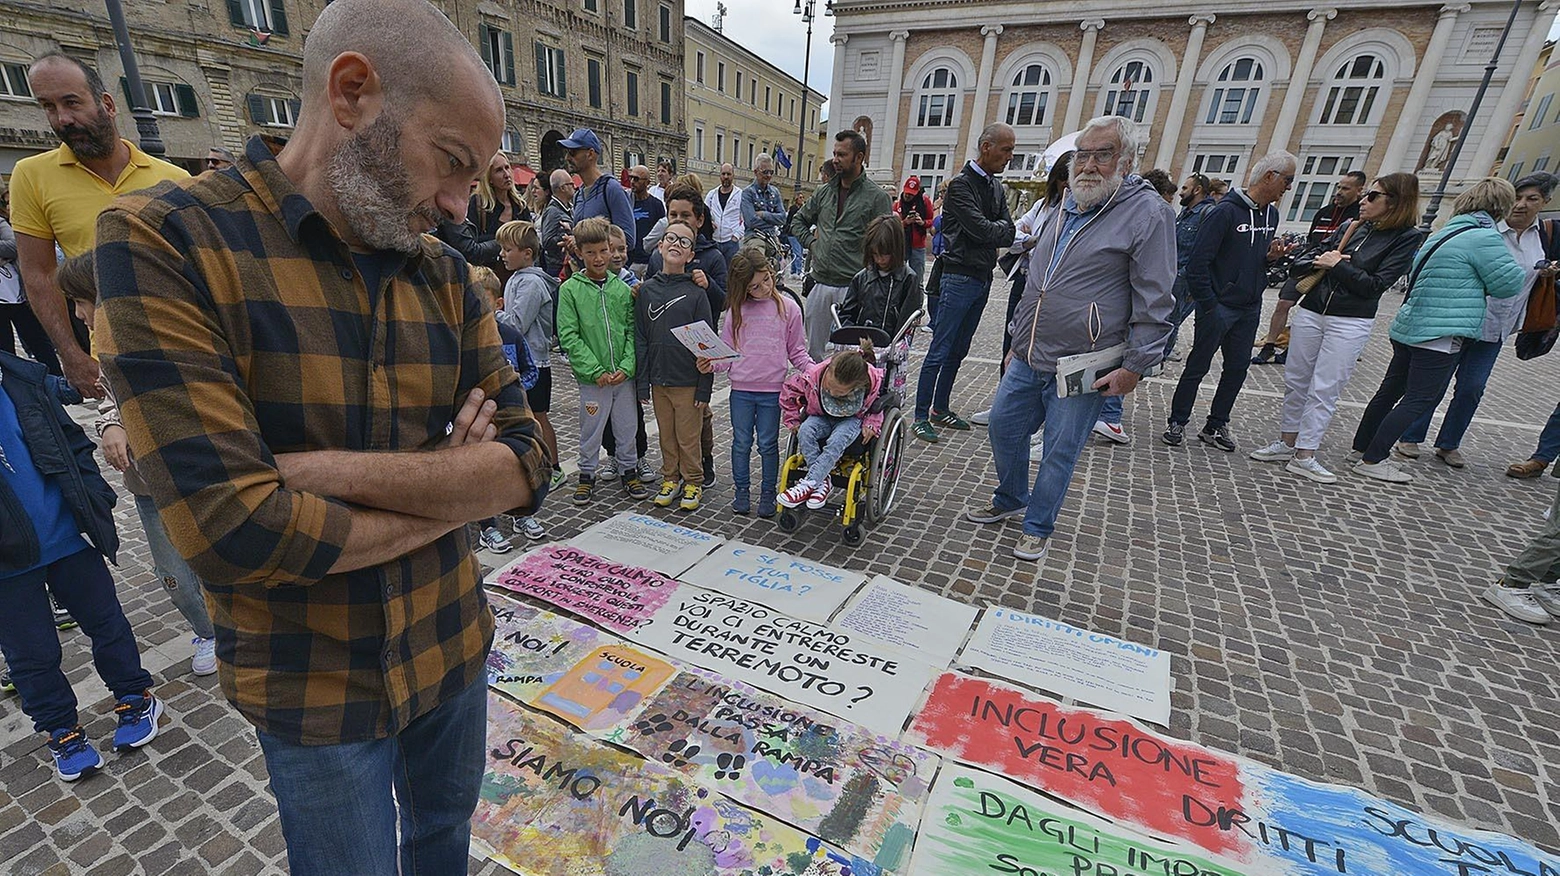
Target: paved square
[(1331, 631)]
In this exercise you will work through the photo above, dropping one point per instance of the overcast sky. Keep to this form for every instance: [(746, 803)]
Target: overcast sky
[(770, 29)]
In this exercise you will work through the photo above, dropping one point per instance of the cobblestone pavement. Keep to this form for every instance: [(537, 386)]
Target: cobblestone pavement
[(1330, 631)]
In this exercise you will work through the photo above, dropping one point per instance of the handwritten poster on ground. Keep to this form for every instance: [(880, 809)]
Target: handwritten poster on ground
[(908, 620), (797, 659), (610, 593), (980, 823), (1241, 811), (552, 800), (533, 648), (800, 588), (833, 779), (642, 540), (1071, 661)]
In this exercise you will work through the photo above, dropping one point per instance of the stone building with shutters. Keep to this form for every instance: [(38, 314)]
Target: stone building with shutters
[(1377, 86), (217, 71)]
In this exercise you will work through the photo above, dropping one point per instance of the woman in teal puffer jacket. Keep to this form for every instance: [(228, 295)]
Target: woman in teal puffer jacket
[(1458, 267)]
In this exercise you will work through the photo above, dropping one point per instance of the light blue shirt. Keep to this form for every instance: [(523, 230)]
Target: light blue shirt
[(1072, 220)]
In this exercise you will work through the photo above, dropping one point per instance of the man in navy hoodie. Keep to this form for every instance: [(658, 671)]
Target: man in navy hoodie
[(1225, 275)]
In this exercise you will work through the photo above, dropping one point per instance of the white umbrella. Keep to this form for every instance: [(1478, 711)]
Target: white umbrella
[(1063, 144)]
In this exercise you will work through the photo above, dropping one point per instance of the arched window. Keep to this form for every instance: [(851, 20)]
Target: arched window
[(939, 99), (1353, 91), (1235, 96), (1028, 95), (1128, 95)]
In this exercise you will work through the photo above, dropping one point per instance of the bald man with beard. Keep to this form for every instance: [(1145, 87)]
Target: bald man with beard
[(319, 398)]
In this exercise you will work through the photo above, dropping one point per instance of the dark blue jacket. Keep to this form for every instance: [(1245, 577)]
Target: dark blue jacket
[(1228, 263), (63, 453)]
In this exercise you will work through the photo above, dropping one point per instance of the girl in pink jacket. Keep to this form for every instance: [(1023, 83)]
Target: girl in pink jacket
[(837, 399), (766, 328)]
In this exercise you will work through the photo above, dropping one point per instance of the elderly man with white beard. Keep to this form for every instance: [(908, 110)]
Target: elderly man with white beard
[(1100, 275)]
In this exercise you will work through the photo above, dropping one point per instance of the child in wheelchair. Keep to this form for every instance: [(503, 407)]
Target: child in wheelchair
[(828, 406), (885, 292)]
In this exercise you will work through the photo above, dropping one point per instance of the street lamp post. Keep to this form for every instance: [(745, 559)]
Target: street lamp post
[(806, 9), (1473, 110), (145, 122)]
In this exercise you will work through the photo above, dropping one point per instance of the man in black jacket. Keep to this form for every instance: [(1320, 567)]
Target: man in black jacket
[(975, 224), (558, 222)]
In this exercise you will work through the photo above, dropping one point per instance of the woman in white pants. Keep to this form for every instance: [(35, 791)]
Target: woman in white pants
[(1330, 328)]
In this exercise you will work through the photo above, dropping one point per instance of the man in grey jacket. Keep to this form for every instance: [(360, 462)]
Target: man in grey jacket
[(1100, 275), (558, 222)]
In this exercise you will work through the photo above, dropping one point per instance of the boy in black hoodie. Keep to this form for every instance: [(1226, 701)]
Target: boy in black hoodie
[(1225, 275), (668, 372)]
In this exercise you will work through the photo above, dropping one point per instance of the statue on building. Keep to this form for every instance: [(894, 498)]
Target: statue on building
[(1445, 133)]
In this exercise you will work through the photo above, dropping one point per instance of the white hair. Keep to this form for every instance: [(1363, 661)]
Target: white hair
[(1274, 161), (1123, 130), (762, 162)]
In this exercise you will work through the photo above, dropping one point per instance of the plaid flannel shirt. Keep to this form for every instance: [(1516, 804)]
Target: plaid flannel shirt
[(234, 325)]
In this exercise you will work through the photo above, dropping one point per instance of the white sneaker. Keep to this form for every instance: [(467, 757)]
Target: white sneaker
[(1520, 604), (1385, 471), (982, 419), (531, 529), (1175, 356), (1548, 597), (1112, 432), (797, 494), (1030, 547), (1406, 450), (495, 541), (1278, 451), (1311, 470), (608, 470), (205, 660)]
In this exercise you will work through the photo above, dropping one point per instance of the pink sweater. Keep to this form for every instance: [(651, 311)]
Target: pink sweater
[(769, 341)]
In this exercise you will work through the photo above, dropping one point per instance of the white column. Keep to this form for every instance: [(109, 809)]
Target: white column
[(837, 84), (1300, 80), (1171, 135), (1505, 112), (1080, 84), (1404, 134), (988, 59), (888, 137)]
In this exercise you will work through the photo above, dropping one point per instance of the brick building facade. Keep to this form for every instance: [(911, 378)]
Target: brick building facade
[(1368, 86), (218, 72)]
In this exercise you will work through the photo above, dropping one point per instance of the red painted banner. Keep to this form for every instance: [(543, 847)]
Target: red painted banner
[(1115, 766)]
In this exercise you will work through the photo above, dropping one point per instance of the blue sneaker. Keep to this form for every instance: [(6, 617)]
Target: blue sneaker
[(74, 756), (138, 716)]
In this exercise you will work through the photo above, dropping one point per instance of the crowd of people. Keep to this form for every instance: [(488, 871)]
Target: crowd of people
[(322, 360)]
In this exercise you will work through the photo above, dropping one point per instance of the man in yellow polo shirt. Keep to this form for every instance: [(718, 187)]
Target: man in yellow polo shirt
[(56, 196)]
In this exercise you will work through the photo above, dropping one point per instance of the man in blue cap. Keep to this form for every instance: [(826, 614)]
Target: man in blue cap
[(599, 194)]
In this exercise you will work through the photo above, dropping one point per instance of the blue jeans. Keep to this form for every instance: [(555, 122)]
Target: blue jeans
[(958, 316), (338, 815), (729, 248), (915, 259), (795, 244), (1026, 400), (823, 441), (176, 575), (82, 585), (1219, 329), (755, 412), (1112, 410), (1474, 364), (1183, 308), (1549, 439)]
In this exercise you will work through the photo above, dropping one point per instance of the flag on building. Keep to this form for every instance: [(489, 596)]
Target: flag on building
[(781, 158)]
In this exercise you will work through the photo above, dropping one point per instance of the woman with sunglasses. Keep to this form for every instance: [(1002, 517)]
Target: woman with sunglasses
[(1329, 330)]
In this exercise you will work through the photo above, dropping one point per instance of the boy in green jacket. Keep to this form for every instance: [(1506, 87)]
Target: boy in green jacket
[(596, 332)]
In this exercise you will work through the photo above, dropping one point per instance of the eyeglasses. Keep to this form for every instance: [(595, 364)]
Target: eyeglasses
[(1094, 156), (1373, 195), (639, 178), (677, 241)]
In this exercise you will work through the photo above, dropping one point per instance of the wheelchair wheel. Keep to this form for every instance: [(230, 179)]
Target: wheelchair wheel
[(851, 535), (789, 520), (887, 454)]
